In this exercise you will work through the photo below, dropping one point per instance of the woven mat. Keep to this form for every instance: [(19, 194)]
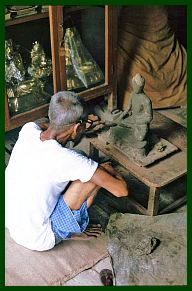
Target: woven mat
[(24, 267)]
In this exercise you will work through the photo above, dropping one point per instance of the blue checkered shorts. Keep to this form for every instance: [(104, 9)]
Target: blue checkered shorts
[(65, 221)]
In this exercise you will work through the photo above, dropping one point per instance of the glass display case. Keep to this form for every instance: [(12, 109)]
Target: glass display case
[(53, 48)]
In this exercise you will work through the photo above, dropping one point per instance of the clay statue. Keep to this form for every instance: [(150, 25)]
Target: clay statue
[(138, 114), (132, 125), (129, 131)]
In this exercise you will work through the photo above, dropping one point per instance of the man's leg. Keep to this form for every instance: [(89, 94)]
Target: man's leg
[(78, 192), (74, 197)]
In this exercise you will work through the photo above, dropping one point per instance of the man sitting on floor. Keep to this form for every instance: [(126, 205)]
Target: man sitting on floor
[(49, 186)]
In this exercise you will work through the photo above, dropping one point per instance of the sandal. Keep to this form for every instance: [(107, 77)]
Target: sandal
[(106, 277)]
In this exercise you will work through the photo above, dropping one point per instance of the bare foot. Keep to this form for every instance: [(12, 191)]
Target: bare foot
[(92, 231)]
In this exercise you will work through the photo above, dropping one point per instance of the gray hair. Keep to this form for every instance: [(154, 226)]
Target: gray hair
[(66, 108)]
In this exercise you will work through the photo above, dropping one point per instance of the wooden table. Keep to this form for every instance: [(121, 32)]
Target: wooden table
[(158, 174)]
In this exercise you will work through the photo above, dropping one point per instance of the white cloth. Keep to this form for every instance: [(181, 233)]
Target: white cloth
[(37, 173)]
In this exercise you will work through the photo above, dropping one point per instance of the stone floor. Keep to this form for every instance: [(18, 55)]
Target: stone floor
[(90, 277)]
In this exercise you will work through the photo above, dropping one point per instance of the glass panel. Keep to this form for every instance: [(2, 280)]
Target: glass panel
[(84, 42), (28, 66)]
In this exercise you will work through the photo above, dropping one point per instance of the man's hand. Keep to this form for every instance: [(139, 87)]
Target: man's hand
[(94, 123), (108, 178), (109, 168)]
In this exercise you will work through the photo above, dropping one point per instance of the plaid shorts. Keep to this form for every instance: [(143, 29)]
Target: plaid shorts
[(65, 221)]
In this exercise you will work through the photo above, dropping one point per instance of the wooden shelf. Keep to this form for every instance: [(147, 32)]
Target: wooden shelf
[(24, 19), (95, 92), (71, 9), (22, 118)]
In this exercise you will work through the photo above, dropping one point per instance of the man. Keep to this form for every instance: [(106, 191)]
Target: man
[(49, 186)]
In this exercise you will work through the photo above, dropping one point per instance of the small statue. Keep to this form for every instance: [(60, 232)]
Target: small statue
[(73, 82), (138, 114), (41, 66), (14, 69), (34, 86), (129, 130), (82, 70), (24, 93)]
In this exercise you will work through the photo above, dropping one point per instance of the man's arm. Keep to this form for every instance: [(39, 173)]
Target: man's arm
[(108, 178)]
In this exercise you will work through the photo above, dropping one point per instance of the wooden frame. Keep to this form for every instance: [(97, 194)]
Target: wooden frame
[(109, 88)]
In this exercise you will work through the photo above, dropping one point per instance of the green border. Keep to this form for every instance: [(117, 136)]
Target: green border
[(189, 131), (112, 2), (2, 151)]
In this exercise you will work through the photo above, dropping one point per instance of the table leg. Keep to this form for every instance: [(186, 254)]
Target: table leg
[(93, 152), (153, 202), (179, 202)]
